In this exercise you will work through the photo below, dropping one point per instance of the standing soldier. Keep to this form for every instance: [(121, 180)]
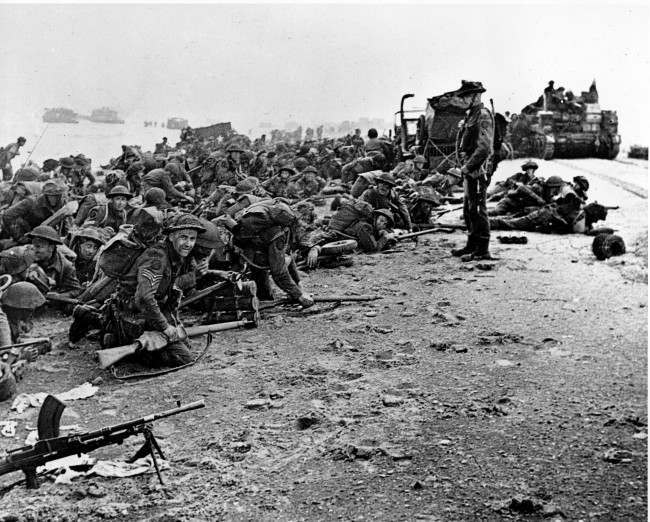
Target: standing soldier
[(149, 301), (476, 139), (7, 154)]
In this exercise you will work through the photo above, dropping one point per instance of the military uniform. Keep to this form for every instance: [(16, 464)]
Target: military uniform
[(477, 135), (351, 170), (106, 216), (161, 178), (392, 202), (147, 299), (28, 214)]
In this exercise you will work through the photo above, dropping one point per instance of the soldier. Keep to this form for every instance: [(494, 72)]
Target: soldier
[(18, 304), (160, 178), (351, 170), (476, 140), (526, 177), (309, 184), (162, 148), (113, 214), (7, 154), (149, 301), (373, 143), (86, 243), (155, 197), (278, 185), (263, 235), (581, 186), (383, 196), (32, 211), (79, 173), (372, 229), (181, 180), (422, 205), (54, 272)]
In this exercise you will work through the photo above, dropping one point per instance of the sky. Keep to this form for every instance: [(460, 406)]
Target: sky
[(313, 63)]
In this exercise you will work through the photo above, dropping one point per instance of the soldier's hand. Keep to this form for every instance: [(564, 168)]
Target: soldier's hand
[(202, 267), (190, 199), (171, 332), (312, 257)]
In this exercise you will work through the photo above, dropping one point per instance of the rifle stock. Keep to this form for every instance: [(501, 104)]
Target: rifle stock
[(111, 356)]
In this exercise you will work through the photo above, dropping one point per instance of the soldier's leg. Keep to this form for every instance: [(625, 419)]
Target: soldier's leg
[(280, 271), (172, 355), (481, 220), (469, 204), (364, 234), (263, 282)]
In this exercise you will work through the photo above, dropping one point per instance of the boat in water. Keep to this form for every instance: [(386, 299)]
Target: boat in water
[(105, 115), (177, 123), (60, 115)]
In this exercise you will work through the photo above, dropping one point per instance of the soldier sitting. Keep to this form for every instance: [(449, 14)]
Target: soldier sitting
[(309, 184), (161, 178), (278, 185), (32, 211), (149, 301), (86, 243), (53, 272), (112, 214), (18, 304), (526, 177), (383, 196)]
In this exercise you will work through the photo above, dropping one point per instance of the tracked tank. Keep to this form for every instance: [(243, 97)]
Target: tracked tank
[(561, 125)]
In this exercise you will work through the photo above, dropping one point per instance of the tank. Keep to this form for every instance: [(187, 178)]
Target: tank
[(560, 125), (177, 123), (60, 115), (105, 115)]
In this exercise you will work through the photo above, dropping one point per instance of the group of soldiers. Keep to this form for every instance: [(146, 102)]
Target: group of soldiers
[(119, 247)]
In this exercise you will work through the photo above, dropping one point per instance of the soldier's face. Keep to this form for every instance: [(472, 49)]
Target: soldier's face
[(119, 203), (183, 241), (381, 223), (53, 200), (383, 188), (43, 249), (235, 156), (88, 249)]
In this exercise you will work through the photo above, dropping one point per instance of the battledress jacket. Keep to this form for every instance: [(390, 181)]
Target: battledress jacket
[(476, 137)]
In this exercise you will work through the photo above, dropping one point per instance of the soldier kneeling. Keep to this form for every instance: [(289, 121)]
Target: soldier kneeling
[(150, 301)]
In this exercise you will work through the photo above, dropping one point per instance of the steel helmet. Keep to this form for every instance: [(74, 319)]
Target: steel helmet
[(23, 295)]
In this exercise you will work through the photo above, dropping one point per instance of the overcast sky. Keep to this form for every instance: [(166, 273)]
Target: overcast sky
[(311, 63)]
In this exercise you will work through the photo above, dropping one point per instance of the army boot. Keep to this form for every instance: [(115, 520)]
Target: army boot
[(467, 249), (482, 252)]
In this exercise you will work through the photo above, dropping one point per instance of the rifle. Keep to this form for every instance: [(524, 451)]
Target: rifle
[(434, 228), (327, 299), (111, 356), (53, 297), (46, 345), (52, 447)]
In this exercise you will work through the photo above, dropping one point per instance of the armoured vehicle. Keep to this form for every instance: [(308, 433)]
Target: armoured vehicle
[(560, 125), (60, 115), (177, 123), (434, 134), (638, 152), (218, 130), (105, 115)]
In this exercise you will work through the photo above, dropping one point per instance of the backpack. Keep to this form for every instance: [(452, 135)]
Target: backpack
[(119, 255)]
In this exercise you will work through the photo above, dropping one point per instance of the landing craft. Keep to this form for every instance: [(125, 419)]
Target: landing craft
[(60, 115), (105, 115)]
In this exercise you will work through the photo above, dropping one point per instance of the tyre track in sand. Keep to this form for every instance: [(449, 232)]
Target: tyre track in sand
[(625, 185)]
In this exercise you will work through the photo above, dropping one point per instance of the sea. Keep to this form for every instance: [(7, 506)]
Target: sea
[(98, 141)]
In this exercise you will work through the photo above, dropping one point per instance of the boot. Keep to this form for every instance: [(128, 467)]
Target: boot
[(467, 249), (482, 252)]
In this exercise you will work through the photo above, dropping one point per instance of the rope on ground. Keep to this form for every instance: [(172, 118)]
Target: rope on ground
[(158, 373)]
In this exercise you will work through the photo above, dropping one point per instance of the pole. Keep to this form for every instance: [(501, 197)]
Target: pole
[(35, 145)]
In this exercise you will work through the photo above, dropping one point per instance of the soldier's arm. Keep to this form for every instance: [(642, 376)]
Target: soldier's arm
[(279, 270), (90, 177), (70, 285), (18, 210), (151, 267), (169, 189), (484, 142)]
